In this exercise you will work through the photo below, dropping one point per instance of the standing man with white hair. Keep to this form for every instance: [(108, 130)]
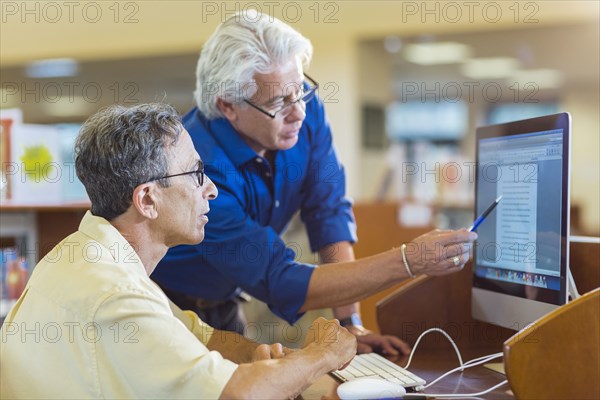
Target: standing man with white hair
[(263, 133)]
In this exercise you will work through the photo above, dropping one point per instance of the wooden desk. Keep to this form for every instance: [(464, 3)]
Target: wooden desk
[(415, 305), (429, 363), (424, 302)]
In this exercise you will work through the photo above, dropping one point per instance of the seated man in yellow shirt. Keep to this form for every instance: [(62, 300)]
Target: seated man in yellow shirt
[(91, 324)]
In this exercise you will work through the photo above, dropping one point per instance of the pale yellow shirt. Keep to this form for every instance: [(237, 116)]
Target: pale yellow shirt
[(91, 324)]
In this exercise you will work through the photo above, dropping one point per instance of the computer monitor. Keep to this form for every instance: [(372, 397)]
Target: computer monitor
[(520, 263)]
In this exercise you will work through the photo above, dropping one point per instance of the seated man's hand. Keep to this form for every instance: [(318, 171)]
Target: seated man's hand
[(440, 252), (334, 340), (369, 342), (269, 352)]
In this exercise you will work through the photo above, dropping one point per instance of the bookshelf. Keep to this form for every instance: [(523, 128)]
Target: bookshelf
[(34, 229), (50, 223)]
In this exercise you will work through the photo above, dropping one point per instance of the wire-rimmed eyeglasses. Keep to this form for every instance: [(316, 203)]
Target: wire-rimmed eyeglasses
[(305, 96)]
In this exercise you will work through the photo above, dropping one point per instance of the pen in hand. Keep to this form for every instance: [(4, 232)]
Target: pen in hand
[(483, 215)]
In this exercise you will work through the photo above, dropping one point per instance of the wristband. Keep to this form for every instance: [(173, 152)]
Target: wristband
[(353, 320), (403, 250)]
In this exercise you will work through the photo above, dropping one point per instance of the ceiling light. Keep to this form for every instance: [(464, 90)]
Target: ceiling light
[(437, 53), (489, 68), (55, 68), (541, 78)]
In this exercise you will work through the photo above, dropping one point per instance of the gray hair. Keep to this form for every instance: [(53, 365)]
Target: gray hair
[(119, 148), (246, 43)]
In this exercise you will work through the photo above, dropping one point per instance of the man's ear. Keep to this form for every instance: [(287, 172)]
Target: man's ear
[(227, 109), (145, 200)]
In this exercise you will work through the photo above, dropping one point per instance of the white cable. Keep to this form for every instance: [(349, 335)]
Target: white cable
[(472, 363), (467, 394), (434, 330), (461, 368), (482, 357)]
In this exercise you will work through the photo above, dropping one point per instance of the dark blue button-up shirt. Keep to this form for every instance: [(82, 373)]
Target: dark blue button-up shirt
[(242, 246)]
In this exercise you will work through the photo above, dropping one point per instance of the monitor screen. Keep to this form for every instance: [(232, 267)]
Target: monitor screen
[(520, 258)]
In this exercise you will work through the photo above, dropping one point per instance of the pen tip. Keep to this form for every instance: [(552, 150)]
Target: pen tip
[(499, 198)]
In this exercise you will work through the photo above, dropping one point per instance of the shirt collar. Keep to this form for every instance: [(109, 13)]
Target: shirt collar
[(230, 140), (103, 232)]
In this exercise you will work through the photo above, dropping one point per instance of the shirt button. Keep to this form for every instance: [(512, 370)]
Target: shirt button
[(268, 174), (259, 160), (276, 203)]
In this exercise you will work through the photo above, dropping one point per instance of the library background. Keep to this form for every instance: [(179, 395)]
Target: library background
[(403, 92)]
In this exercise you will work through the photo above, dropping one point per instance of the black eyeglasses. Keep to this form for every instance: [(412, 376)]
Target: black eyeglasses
[(199, 175), (305, 96)]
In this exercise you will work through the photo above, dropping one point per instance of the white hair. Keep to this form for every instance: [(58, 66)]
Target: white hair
[(246, 43)]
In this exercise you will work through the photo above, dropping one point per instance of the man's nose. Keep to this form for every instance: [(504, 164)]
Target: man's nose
[(298, 112), (210, 190)]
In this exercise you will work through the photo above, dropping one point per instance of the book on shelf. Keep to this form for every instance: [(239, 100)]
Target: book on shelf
[(36, 168), (14, 275), (38, 163), (15, 272), (72, 190), (14, 267), (8, 119)]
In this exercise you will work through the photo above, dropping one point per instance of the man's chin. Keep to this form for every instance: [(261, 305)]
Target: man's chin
[(286, 143), (199, 238), (190, 241)]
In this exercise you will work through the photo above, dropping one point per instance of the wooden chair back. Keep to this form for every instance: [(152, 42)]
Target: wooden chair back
[(558, 357)]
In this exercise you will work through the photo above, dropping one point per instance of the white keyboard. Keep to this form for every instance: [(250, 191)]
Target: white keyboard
[(374, 365)]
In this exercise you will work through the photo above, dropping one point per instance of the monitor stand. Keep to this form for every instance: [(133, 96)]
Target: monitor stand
[(573, 294), (571, 287)]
